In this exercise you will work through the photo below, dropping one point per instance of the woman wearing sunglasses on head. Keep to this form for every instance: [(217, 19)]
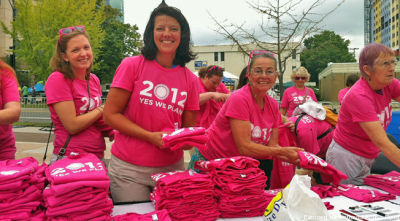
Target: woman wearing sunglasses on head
[(151, 94), (74, 96), (247, 124), (213, 94), (365, 114), (10, 109), (298, 93)]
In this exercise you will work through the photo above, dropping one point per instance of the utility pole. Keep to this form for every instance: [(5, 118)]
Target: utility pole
[(354, 51), (14, 14)]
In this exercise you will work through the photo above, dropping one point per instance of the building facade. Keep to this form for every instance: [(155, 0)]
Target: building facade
[(381, 22), (5, 39), (118, 4), (233, 60)]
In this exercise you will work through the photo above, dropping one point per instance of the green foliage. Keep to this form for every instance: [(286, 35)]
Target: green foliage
[(323, 48), (120, 40), (36, 29)]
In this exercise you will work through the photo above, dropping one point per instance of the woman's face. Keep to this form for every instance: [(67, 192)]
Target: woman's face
[(263, 74), (78, 54), (383, 71), (300, 80), (167, 34), (211, 83)]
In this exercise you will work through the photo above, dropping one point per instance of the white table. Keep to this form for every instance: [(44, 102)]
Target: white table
[(339, 202)]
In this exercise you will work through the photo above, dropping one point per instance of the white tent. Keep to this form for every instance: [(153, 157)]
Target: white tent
[(226, 74)]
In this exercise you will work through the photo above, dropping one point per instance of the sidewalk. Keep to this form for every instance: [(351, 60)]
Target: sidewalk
[(32, 141)]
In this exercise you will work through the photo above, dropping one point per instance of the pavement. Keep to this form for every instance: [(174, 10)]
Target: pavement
[(32, 141)]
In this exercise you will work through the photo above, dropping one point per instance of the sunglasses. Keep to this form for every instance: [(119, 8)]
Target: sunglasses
[(215, 67), (69, 30), (256, 53), (302, 78)]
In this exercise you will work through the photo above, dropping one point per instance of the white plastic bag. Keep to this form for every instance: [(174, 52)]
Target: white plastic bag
[(297, 202), (312, 108)]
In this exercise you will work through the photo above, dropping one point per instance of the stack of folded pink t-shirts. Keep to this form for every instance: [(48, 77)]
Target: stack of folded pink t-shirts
[(363, 194), (158, 215), (192, 136), (78, 189), (389, 182), (329, 174), (186, 195), (324, 191), (21, 185), (239, 185)]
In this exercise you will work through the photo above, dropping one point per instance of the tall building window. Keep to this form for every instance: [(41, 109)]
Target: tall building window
[(294, 54), (215, 56), (222, 56)]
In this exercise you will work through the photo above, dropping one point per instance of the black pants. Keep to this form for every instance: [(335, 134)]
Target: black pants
[(266, 166)]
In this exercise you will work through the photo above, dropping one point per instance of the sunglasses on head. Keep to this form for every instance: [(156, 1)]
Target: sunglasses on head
[(69, 30), (215, 67), (302, 78), (256, 53)]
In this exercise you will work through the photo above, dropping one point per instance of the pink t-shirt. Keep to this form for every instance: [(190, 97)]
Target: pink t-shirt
[(59, 89), (209, 110), (375, 107), (308, 129), (8, 93), (241, 105), (159, 96), (341, 94), (292, 97)]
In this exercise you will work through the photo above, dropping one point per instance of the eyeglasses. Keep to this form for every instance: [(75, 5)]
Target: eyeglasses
[(388, 64), (259, 71), (216, 68), (69, 30), (302, 78), (256, 53)]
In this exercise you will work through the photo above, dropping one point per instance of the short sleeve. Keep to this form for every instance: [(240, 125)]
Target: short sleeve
[(285, 100), (232, 110), (58, 88), (127, 73), (192, 101), (9, 88), (365, 114)]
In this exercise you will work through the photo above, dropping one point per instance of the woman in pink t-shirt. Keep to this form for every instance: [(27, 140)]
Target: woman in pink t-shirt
[(151, 94), (247, 124), (10, 109), (74, 96), (364, 116), (213, 94), (298, 93), (350, 81)]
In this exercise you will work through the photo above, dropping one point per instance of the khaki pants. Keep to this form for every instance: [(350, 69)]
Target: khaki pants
[(133, 183)]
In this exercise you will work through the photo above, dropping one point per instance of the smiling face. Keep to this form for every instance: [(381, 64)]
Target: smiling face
[(167, 34), (263, 74), (382, 73), (79, 54)]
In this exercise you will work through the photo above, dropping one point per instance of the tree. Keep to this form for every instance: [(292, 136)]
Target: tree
[(284, 25), (36, 29), (323, 48), (121, 40)]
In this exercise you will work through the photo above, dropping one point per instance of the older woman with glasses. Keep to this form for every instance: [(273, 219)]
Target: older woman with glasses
[(74, 96), (213, 94), (298, 93), (365, 113), (247, 124)]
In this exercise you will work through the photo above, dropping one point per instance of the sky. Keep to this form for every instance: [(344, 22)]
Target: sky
[(347, 20)]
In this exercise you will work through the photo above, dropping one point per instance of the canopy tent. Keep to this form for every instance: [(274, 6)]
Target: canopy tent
[(226, 75), (39, 87)]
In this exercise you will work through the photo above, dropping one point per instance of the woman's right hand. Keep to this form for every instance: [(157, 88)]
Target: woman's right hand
[(219, 97), (290, 155), (156, 138)]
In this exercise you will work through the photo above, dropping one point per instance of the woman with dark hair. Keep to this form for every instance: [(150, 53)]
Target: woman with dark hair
[(213, 94), (350, 81), (364, 116), (151, 94), (10, 109), (74, 96)]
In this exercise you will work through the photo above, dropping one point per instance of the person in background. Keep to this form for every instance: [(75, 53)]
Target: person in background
[(213, 94), (252, 129), (151, 94), (74, 96), (33, 100), (10, 110), (298, 93), (365, 114), (25, 93), (350, 81)]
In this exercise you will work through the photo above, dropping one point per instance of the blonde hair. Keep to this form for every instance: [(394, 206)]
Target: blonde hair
[(57, 62), (300, 72)]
